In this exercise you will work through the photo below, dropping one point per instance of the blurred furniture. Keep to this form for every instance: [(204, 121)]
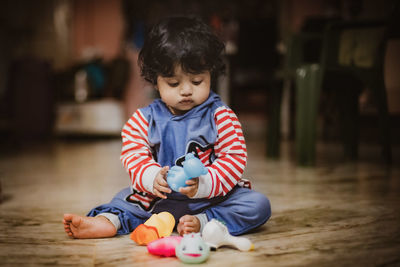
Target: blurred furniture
[(103, 117), (355, 51), (29, 101), (252, 75), (252, 68), (295, 56), (90, 98)]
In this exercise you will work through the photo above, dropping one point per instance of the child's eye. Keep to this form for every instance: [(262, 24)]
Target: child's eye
[(197, 82), (173, 84)]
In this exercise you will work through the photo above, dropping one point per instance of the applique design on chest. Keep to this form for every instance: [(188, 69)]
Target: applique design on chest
[(143, 200), (205, 153)]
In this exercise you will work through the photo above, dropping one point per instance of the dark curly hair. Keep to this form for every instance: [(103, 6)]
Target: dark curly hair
[(184, 41)]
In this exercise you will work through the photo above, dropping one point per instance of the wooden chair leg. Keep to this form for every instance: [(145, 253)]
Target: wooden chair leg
[(274, 125), (347, 100), (378, 87), (308, 86)]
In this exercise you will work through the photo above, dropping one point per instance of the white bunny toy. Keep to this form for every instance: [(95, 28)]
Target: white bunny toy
[(216, 234)]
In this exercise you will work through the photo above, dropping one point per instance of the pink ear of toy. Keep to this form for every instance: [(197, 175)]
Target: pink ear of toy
[(164, 246)]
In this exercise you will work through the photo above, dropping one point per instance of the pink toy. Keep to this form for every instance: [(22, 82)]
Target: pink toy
[(164, 246)]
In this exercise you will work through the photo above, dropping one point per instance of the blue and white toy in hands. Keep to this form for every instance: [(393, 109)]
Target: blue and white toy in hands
[(192, 168)]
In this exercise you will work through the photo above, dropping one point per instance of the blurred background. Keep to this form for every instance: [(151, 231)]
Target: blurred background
[(315, 83), (68, 68)]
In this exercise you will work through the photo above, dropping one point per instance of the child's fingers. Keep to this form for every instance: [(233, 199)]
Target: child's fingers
[(189, 224), (186, 190), (189, 227), (163, 188), (162, 182), (191, 189), (187, 230), (192, 181), (159, 194), (164, 170), (182, 219)]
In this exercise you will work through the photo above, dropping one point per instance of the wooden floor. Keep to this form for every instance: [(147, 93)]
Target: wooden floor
[(336, 214)]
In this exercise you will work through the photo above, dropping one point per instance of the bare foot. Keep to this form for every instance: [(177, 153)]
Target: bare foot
[(88, 227), (188, 224)]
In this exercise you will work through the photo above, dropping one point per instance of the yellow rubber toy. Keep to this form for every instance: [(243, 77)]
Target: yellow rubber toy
[(157, 226)]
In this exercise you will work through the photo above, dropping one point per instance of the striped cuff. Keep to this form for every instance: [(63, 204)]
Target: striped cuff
[(203, 220), (148, 177), (205, 186)]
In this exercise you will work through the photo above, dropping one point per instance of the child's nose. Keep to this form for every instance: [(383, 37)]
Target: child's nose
[(186, 89)]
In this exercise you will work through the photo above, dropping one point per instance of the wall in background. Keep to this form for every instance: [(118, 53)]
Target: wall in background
[(97, 28)]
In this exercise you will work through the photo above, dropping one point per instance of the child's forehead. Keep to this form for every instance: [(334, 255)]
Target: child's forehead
[(179, 72)]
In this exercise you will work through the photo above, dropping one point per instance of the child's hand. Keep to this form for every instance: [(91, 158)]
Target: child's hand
[(191, 189), (160, 185)]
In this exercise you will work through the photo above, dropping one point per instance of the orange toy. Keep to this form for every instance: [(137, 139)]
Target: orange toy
[(157, 226)]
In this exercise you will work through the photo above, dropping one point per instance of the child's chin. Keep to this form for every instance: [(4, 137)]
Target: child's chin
[(182, 110)]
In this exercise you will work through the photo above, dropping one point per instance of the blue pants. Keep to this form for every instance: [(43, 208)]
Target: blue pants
[(242, 210)]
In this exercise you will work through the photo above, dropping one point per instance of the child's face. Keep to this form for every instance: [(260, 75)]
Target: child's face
[(184, 91)]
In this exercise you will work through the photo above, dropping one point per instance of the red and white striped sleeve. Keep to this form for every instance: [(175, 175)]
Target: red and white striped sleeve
[(230, 149), (136, 154)]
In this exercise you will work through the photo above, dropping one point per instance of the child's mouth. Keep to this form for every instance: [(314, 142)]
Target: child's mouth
[(186, 101)]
